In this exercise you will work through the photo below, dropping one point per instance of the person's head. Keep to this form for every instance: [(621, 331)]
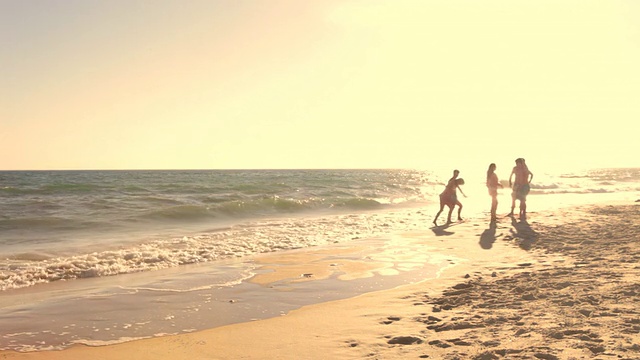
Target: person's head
[(492, 168), (519, 161), (460, 181), (456, 173)]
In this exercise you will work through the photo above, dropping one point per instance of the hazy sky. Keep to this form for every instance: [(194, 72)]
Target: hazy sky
[(173, 84)]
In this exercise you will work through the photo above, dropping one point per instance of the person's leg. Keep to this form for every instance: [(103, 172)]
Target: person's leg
[(459, 209), (438, 214), (523, 201), (494, 207), (450, 212), (513, 203)]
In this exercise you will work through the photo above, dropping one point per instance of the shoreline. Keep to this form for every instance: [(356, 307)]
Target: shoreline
[(281, 282), (416, 320)]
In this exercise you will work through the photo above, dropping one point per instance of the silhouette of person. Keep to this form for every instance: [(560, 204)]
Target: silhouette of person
[(492, 184), (520, 186), (449, 197)]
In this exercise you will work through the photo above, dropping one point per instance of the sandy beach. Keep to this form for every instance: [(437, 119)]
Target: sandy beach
[(561, 285)]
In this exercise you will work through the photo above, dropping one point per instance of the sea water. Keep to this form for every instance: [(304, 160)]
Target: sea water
[(170, 233), (65, 225)]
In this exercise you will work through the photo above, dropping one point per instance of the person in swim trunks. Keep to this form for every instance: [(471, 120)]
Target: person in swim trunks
[(449, 197), (521, 186)]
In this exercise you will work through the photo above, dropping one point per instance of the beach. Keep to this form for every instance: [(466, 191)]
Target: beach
[(319, 180), (561, 285)]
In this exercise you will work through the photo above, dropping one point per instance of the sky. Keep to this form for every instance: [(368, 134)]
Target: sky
[(274, 84)]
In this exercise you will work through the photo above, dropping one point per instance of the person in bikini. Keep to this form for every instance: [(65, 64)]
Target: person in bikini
[(449, 197), (520, 186), (492, 184)]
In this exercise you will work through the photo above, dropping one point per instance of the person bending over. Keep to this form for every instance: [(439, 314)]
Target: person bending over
[(449, 197)]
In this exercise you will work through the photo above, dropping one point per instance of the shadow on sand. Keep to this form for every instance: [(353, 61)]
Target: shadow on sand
[(523, 233), (489, 236), (440, 230)]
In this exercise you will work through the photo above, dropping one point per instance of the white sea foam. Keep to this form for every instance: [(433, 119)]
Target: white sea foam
[(239, 241), (95, 343)]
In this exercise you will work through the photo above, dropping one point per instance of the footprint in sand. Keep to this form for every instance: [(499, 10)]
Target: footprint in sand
[(390, 320), (405, 340)]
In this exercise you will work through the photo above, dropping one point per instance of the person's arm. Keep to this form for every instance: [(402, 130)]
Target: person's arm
[(530, 177), (511, 177), (461, 192)]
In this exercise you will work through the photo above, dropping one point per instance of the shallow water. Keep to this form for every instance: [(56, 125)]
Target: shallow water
[(105, 310)]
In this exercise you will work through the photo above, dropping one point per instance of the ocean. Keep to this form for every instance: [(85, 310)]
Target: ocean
[(68, 238)]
